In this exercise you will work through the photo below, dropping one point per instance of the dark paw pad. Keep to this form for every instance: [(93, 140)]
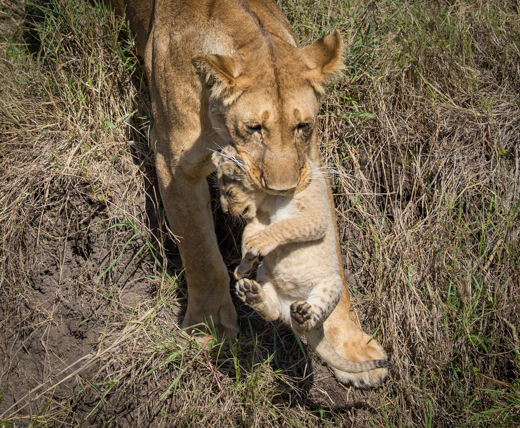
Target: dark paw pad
[(248, 291), (301, 312)]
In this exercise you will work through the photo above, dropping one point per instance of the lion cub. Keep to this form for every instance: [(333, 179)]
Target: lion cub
[(298, 280)]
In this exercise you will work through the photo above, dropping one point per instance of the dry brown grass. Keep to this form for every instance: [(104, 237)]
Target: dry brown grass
[(422, 140)]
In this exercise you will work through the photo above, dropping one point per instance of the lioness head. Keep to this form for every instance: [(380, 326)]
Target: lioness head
[(264, 101)]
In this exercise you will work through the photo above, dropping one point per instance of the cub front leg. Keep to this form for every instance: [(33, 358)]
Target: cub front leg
[(300, 227), (249, 259), (246, 266), (262, 299)]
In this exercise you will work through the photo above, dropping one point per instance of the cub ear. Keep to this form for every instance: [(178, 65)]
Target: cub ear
[(225, 166), (324, 59), (232, 170), (224, 74), (216, 158)]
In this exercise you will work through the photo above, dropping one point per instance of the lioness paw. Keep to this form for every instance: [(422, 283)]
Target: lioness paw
[(249, 291), (304, 315), (363, 380)]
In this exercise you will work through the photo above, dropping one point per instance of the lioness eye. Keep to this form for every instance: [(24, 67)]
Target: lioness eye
[(254, 128)]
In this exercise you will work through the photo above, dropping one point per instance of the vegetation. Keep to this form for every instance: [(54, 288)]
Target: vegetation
[(422, 140)]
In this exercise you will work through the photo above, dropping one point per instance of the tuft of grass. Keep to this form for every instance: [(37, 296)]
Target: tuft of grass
[(421, 134), (421, 139)]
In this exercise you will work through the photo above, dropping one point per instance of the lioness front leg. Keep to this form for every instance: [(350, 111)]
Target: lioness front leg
[(352, 343), (188, 208)]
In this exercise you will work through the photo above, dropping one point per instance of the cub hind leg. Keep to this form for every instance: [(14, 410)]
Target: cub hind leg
[(319, 305), (262, 298)]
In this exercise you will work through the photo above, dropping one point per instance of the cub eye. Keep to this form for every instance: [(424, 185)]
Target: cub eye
[(253, 128), (303, 127)]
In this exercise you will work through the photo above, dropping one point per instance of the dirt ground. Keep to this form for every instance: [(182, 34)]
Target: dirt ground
[(422, 144), (63, 319)]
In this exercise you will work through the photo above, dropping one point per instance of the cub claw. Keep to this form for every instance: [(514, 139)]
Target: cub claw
[(302, 313), (246, 266)]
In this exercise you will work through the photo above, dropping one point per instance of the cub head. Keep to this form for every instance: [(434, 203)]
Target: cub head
[(238, 195), (264, 102)]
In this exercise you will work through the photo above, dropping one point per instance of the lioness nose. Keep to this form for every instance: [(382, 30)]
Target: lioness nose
[(282, 182), (280, 171), (281, 188)]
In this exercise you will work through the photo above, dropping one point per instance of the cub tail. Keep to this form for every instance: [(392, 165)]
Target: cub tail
[(318, 342)]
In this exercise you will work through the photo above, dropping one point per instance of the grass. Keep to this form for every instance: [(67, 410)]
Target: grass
[(421, 134)]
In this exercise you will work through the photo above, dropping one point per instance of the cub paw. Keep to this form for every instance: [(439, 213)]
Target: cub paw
[(259, 245), (246, 266), (249, 291), (303, 314)]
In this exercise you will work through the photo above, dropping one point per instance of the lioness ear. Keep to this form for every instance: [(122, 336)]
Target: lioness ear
[(324, 59), (224, 71)]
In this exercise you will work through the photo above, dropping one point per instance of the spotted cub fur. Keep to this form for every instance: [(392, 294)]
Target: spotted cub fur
[(298, 280)]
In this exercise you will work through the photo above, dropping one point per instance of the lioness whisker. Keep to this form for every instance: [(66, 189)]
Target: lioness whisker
[(229, 157), (331, 170)]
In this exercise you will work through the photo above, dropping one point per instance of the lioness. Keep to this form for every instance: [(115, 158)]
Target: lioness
[(230, 72), (298, 280)]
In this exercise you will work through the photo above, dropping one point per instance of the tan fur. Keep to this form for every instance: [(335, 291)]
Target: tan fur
[(227, 72), (298, 280)]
